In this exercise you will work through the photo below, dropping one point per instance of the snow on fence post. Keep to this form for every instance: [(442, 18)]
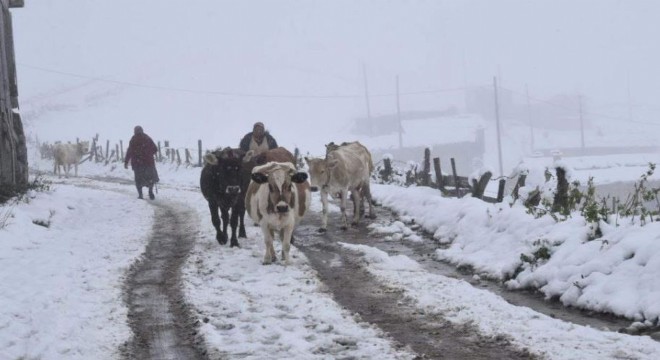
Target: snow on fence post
[(520, 183)]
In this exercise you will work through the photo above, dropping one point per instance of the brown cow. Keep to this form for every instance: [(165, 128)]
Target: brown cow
[(250, 160), (277, 198)]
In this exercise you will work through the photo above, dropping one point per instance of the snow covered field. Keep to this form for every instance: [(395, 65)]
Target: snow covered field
[(65, 280)]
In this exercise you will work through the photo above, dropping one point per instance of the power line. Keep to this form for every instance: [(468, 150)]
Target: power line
[(609, 117), (239, 94)]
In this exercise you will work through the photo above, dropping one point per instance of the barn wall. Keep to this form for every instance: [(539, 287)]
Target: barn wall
[(13, 150)]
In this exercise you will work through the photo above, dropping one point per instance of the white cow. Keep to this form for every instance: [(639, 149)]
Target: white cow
[(277, 198), (66, 155), (346, 167)]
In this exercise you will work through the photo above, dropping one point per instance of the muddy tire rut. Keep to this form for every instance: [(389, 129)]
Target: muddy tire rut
[(353, 287), (163, 325)]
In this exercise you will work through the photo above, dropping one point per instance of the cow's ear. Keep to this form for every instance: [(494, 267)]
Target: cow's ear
[(299, 178), (259, 178), (332, 163), (211, 159)]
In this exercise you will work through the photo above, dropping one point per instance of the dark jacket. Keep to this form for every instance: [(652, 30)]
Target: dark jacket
[(141, 151), (245, 142)]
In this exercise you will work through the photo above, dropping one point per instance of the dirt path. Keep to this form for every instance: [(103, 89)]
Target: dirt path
[(162, 325), (352, 286)]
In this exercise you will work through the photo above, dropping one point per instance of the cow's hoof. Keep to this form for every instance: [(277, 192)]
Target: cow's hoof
[(354, 224), (344, 228), (321, 230), (242, 234), (234, 244), (372, 216), (292, 239), (222, 239)]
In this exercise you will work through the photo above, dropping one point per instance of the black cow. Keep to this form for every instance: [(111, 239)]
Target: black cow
[(221, 186)]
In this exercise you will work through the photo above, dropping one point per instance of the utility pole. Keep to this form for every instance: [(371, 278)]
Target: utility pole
[(398, 113), (529, 115), (581, 124), (497, 121), (366, 98)]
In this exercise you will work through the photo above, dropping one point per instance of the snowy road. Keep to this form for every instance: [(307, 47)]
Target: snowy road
[(162, 325)]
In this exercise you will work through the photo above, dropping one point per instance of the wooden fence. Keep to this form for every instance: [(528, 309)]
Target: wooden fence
[(100, 152), (452, 185)]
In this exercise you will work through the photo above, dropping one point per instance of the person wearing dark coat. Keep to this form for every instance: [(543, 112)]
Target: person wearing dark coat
[(140, 152), (255, 140)]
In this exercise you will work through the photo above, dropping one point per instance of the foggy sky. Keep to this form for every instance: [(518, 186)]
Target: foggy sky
[(220, 61)]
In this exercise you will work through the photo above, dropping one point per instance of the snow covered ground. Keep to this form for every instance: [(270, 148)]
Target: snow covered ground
[(62, 297)]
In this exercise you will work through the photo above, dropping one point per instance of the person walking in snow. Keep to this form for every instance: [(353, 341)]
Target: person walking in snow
[(258, 140), (140, 153)]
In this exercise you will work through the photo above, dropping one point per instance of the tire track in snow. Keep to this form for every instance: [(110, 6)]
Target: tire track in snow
[(163, 325)]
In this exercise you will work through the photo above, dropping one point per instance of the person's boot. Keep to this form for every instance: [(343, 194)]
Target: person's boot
[(151, 193)]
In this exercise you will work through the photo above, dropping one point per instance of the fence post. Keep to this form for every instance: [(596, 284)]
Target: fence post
[(479, 186), (188, 156), (453, 171), (500, 190), (438, 174), (178, 157), (121, 147), (199, 148), (387, 171), (160, 156), (520, 183), (560, 201), (107, 151), (94, 149), (426, 173)]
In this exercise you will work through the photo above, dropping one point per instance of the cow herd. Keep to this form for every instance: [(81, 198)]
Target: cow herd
[(276, 195), (269, 187)]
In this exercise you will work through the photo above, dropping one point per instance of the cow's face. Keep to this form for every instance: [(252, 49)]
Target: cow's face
[(281, 188), (317, 172), (229, 175), (227, 164), (83, 147)]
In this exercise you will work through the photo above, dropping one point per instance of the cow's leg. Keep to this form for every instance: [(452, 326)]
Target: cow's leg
[(286, 235), (367, 195), (234, 224), (268, 242), (342, 207), (324, 216), (151, 191), (241, 220), (356, 206), (215, 219), (75, 167), (225, 223)]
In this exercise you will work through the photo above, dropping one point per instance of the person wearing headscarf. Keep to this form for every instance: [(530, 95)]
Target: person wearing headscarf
[(258, 140), (140, 153)]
